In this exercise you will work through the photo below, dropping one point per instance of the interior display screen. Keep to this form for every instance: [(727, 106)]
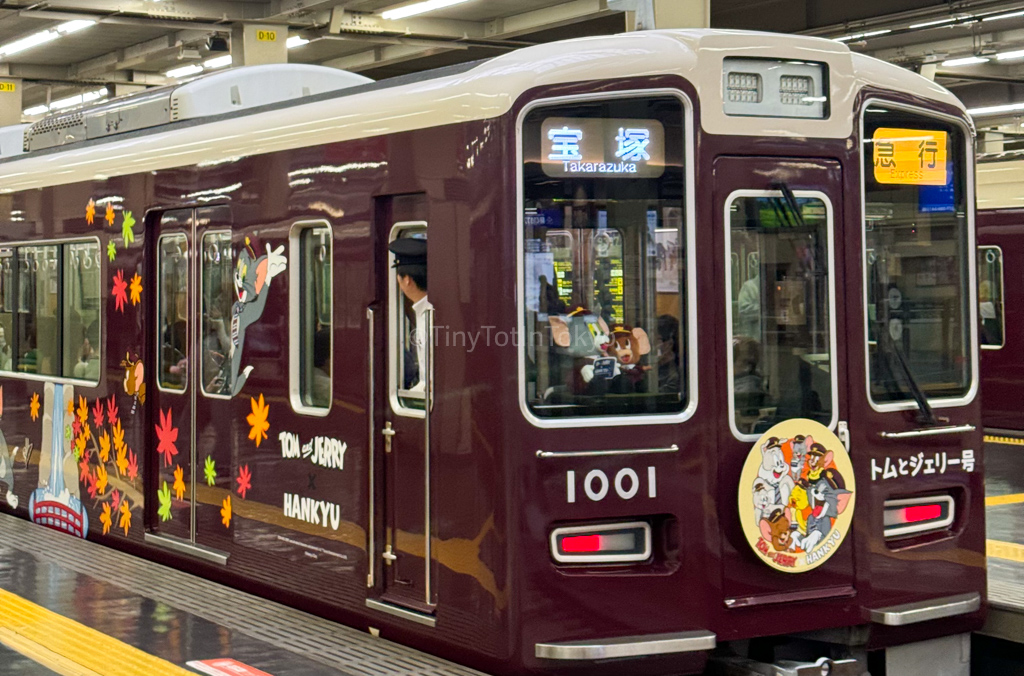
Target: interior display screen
[(602, 147)]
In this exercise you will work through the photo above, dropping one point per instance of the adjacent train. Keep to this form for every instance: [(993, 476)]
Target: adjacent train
[(628, 354)]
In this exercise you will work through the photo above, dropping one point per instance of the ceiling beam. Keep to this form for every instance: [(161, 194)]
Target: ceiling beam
[(193, 10), (548, 17)]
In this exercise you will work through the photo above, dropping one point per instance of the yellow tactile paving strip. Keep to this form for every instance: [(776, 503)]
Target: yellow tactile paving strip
[(1008, 551), (70, 648), (1011, 499), (1009, 441)]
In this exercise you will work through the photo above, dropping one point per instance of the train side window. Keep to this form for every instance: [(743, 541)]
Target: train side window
[(7, 305), (604, 277), (82, 301), (172, 312), (781, 332), (38, 322), (312, 281), (991, 312), (217, 297), (407, 351)]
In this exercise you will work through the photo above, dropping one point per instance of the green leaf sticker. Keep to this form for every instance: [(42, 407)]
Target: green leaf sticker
[(210, 471), (165, 503), (126, 229), (67, 432), (111, 251)]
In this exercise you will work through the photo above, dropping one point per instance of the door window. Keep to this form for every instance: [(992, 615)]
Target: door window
[(781, 328), (172, 311), (312, 366), (218, 295), (991, 313), (408, 324)]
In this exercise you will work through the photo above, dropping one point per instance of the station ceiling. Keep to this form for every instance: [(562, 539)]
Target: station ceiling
[(66, 48)]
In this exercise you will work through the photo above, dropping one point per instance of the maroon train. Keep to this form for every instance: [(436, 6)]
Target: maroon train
[(702, 367)]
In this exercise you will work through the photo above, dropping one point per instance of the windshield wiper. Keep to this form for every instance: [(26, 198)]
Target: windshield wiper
[(926, 416), (789, 200)]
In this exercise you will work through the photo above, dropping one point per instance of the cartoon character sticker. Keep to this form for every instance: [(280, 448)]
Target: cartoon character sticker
[(252, 281), (796, 496)]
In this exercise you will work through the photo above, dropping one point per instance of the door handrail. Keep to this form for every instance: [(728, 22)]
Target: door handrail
[(371, 535), (428, 400), (928, 432)]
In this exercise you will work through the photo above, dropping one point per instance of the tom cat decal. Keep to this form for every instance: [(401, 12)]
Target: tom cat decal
[(796, 496)]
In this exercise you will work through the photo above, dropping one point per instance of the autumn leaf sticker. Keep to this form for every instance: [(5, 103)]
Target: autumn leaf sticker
[(225, 512), (111, 251), (136, 289), (122, 460), (164, 495), (133, 465), (118, 291), (90, 217), (110, 214), (97, 413), (126, 515), (258, 420), (210, 471), (244, 480), (101, 478), (126, 229), (179, 482), (168, 435), (105, 518), (33, 407), (112, 410)]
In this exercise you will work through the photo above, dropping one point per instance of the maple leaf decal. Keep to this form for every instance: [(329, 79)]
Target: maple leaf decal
[(83, 468), (126, 229), (90, 217), (126, 516), (133, 465), (105, 518), (109, 217), (167, 433), (90, 485), (244, 480), (136, 289), (111, 251), (101, 478), (83, 409), (112, 410), (225, 512), (118, 436), (80, 448), (258, 420), (164, 495), (210, 471), (33, 407), (179, 482), (97, 413), (122, 460), (118, 291), (115, 499)]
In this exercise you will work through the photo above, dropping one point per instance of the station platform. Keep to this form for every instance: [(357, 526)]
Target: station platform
[(1004, 516), (73, 607)]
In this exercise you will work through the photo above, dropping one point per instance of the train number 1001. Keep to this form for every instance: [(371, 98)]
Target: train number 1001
[(596, 484)]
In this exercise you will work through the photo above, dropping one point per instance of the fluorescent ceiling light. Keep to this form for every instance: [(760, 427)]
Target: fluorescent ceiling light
[(42, 37), (79, 99), (218, 62), (1008, 15), (994, 110), (937, 22), (185, 71), (418, 8), (74, 26), (1004, 56), (861, 36), (295, 41), (36, 110), (966, 61)]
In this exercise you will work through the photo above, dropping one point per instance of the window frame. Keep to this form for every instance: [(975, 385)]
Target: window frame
[(690, 279), (1002, 297), (200, 301), (394, 306), (158, 297), (64, 380), (295, 289), (833, 351), (909, 403)]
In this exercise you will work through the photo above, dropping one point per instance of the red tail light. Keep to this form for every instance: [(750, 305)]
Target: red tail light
[(913, 516), (603, 543)]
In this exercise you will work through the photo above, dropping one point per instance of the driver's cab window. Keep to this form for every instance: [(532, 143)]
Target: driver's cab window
[(172, 311), (603, 259), (409, 315), (780, 309)]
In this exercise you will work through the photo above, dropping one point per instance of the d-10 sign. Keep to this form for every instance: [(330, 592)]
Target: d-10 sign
[(910, 156)]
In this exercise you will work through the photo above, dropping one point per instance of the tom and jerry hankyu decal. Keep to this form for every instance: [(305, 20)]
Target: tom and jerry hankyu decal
[(796, 496)]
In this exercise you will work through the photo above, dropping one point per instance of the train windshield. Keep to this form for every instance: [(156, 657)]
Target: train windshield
[(603, 258), (916, 256)]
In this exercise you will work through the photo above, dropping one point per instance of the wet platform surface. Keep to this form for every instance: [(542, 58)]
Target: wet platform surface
[(68, 601), (1004, 516)]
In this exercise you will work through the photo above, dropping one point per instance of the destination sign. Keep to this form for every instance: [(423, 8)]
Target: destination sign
[(910, 156), (602, 147)]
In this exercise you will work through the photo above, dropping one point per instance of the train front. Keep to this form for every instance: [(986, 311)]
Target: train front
[(748, 372)]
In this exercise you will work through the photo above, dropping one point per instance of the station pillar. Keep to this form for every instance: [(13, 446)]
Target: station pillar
[(650, 14), (256, 44), (10, 101)]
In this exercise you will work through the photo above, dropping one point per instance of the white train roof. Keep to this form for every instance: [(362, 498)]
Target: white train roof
[(484, 91)]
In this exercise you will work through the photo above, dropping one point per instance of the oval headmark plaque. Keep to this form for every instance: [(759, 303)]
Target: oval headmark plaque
[(796, 495)]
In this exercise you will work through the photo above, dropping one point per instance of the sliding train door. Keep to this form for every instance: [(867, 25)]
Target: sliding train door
[(400, 547), (193, 265)]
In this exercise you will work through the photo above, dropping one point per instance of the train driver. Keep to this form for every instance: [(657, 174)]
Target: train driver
[(411, 270)]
